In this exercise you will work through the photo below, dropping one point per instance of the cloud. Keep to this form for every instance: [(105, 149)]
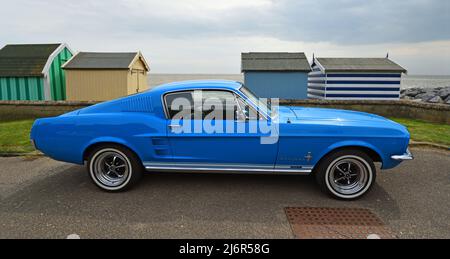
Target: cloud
[(365, 22), (208, 35), (343, 22)]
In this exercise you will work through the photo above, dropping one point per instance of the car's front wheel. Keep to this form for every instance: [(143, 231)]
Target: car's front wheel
[(346, 174), (114, 168)]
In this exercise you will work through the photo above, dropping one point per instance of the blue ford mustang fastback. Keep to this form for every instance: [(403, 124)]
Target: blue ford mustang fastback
[(221, 126)]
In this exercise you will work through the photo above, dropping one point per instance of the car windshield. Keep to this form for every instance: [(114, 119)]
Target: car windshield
[(262, 105)]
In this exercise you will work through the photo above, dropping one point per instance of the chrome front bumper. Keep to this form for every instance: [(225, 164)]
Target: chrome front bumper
[(406, 156)]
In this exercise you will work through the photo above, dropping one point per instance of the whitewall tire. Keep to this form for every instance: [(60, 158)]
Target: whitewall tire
[(114, 168), (346, 174)]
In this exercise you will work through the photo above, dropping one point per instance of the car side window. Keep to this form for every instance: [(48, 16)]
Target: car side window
[(247, 111), (208, 105), (218, 105), (180, 102)]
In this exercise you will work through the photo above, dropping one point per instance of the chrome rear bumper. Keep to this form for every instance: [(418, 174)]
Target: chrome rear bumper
[(406, 156)]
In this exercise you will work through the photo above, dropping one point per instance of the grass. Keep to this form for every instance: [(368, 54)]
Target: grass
[(14, 135), (426, 131)]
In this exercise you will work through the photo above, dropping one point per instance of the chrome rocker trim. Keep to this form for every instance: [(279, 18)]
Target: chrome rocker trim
[(222, 169), (407, 156)]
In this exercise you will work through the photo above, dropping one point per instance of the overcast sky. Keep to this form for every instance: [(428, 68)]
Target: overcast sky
[(207, 36)]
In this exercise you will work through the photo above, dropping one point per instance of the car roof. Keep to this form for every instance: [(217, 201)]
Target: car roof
[(197, 84)]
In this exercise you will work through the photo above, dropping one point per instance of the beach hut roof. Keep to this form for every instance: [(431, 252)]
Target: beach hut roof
[(25, 59), (274, 61), (104, 60), (358, 65)]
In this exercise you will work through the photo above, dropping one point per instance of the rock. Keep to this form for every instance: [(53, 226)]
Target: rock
[(436, 99), (412, 93), (447, 101), (444, 92), (426, 96), (419, 96), (430, 90), (422, 90)]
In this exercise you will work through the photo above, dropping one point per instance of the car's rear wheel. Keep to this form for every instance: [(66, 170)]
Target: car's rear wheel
[(114, 168), (346, 174)]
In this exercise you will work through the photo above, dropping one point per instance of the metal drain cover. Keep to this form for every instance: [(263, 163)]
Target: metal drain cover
[(336, 223)]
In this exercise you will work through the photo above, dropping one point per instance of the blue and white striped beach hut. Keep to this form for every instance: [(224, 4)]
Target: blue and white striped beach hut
[(355, 79)]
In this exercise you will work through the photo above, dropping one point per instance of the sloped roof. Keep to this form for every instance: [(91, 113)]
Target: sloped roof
[(274, 61), (359, 65), (25, 59), (102, 60)]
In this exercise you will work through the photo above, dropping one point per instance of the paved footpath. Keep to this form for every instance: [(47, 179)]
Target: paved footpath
[(42, 198)]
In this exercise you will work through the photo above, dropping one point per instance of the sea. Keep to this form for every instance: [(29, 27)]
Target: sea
[(408, 81)]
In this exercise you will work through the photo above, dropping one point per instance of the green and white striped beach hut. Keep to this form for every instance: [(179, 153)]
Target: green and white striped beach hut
[(33, 71)]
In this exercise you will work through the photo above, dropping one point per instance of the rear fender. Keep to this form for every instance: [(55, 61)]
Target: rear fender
[(108, 139)]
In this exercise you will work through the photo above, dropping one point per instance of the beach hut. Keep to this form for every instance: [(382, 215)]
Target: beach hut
[(355, 79), (281, 75), (97, 76), (33, 71)]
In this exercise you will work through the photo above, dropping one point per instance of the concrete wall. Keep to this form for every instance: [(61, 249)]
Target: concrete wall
[(438, 113), (283, 85), (17, 110)]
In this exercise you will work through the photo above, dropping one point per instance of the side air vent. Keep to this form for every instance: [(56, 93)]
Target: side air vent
[(137, 104), (160, 142), (162, 152), (161, 147)]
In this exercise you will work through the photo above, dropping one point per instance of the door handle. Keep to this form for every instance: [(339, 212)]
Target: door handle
[(174, 125)]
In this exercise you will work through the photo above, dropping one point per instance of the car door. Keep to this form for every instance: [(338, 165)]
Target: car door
[(200, 139)]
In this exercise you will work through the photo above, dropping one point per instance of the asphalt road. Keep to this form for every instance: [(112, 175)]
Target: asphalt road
[(42, 198)]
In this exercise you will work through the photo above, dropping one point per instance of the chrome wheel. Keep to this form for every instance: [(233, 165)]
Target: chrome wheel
[(349, 175), (111, 168)]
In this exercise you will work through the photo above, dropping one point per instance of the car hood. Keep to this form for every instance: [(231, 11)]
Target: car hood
[(298, 114)]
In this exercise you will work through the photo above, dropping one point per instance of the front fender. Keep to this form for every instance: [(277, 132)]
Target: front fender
[(352, 143)]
